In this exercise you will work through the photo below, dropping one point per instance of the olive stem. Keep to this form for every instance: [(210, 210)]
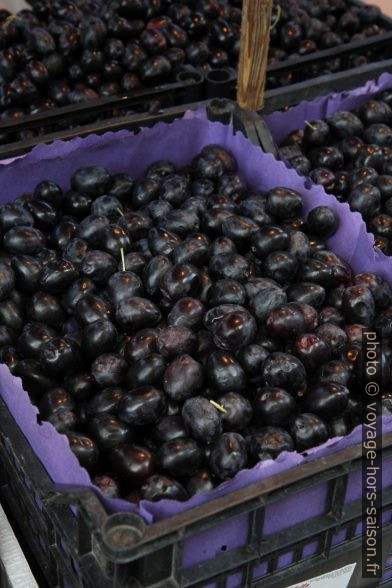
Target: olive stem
[(218, 406), (310, 125), (123, 259)]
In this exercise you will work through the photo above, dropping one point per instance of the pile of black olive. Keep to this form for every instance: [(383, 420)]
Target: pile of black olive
[(182, 327), (350, 154), (66, 53)]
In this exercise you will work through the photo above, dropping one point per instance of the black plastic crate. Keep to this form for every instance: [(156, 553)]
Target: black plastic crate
[(78, 544), (84, 546), (128, 112), (188, 88)]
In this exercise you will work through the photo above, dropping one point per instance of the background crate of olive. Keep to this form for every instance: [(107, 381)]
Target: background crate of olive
[(340, 67)]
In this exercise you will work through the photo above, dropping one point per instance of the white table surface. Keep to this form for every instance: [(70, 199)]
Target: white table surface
[(12, 556)]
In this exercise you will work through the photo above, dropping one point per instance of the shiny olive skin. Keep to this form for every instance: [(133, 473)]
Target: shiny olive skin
[(137, 313), (91, 308), (109, 432), (183, 377), (142, 406), (24, 240), (32, 339), (224, 373), (109, 369), (27, 271), (327, 401), (99, 337), (45, 308), (60, 356), (134, 464), (228, 456), (180, 457), (273, 406), (148, 370), (267, 443), (308, 430), (159, 487), (84, 449)]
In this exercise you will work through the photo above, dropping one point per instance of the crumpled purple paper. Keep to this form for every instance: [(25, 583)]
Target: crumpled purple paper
[(282, 123), (125, 152)]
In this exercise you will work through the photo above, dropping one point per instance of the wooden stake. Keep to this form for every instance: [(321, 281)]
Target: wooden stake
[(255, 36)]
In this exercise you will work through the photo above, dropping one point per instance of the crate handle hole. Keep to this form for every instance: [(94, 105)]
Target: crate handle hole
[(123, 530), (218, 76), (192, 77)]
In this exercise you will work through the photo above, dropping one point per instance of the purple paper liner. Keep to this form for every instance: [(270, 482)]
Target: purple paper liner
[(126, 152)]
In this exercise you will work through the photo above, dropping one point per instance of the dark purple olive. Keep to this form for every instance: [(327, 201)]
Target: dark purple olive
[(200, 482), (105, 401), (180, 457), (273, 406), (7, 280), (267, 443), (234, 330), (327, 400), (91, 308), (109, 432), (142, 406), (24, 239), (54, 401), (80, 386), (224, 373), (98, 266), (137, 313), (283, 370), (201, 419), (84, 448), (183, 378), (179, 281), (91, 229), (133, 464), (59, 356), (34, 379), (45, 308), (148, 370), (77, 204), (228, 456), (173, 341), (76, 291), (99, 337), (308, 430), (56, 276), (109, 369), (167, 428), (107, 485), (236, 411), (93, 181), (186, 312), (159, 487), (32, 339), (13, 215)]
